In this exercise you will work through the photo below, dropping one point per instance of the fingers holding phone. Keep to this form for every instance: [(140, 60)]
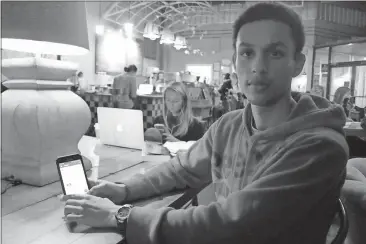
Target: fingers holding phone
[(105, 189), (93, 183), (161, 127)]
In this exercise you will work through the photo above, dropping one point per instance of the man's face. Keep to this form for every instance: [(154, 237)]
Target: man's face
[(266, 61)]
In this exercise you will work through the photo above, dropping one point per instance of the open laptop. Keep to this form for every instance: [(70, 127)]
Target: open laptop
[(121, 127)]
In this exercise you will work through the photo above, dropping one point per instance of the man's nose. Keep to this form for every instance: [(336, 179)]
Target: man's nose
[(260, 65)]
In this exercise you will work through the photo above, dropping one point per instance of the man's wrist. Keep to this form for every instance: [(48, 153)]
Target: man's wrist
[(125, 192), (112, 217)]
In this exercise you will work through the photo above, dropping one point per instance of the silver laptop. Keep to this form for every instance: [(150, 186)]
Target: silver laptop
[(121, 127)]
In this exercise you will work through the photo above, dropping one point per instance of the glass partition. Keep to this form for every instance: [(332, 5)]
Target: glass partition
[(348, 64), (360, 86), (320, 68), (347, 68), (340, 77), (348, 52)]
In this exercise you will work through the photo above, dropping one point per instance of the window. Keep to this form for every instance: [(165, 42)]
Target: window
[(202, 70)]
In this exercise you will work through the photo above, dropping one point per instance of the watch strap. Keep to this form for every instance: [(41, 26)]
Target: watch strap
[(122, 220)]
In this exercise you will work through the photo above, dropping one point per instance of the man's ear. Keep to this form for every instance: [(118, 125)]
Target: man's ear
[(233, 59), (299, 64)]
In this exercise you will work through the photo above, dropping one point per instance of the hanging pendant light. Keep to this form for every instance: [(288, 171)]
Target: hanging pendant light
[(180, 42), (151, 31), (99, 29), (167, 37), (128, 26)]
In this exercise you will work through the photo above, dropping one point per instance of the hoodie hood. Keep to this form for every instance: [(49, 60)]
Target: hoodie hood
[(310, 112)]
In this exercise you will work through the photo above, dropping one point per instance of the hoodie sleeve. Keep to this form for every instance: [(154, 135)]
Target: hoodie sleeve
[(191, 168), (311, 165)]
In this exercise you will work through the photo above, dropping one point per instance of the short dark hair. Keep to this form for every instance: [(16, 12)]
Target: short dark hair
[(131, 68), (227, 76), (276, 12)]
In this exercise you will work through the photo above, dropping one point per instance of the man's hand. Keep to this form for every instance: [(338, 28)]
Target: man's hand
[(90, 210), (114, 192), (169, 137)]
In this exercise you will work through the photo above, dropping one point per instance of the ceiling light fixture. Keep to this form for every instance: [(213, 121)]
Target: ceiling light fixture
[(180, 42), (167, 37), (99, 29), (151, 31), (128, 29)]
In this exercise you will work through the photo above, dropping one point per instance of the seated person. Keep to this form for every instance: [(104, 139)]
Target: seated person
[(277, 167), (179, 123), (226, 87), (347, 106)]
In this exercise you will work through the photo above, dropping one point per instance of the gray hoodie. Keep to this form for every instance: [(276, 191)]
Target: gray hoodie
[(275, 186)]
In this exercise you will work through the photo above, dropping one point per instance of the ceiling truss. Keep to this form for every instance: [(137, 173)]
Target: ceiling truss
[(175, 15), (178, 16)]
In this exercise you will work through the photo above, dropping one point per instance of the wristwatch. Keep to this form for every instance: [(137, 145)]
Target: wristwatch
[(121, 217)]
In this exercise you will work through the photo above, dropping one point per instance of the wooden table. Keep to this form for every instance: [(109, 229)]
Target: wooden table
[(33, 215), (354, 129)]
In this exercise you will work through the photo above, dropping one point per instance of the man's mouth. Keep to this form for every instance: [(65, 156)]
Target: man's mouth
[(258, 84)]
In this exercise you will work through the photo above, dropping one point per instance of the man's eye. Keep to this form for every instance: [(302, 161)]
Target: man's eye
[(277, 54), (247, 53)]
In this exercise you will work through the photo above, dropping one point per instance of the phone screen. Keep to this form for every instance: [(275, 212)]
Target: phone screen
[(160, 127), (73, 177)]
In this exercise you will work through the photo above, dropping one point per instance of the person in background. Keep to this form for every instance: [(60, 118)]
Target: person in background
[(342, 92), (226, 95), (226, 87), (347, 106), (238, 96), (83, 85), (358, 110), (356, 144), (125, 84), (277, 167), (363, 122), (177, 118), (160, 79), (75, 81)]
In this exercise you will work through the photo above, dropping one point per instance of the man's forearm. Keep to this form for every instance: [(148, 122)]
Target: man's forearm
[(191, 168), (157, 181)]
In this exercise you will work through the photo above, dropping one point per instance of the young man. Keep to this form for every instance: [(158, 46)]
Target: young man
[(277, 166)]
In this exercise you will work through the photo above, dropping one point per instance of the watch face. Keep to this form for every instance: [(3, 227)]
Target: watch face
[(123, 212)]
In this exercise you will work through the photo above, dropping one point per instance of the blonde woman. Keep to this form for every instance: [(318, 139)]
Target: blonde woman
[(177, 122)]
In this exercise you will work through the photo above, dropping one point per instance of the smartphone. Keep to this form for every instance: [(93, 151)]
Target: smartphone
[(72, 174), (160, 127)]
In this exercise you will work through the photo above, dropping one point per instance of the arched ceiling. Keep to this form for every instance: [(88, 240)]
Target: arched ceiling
[(181, 17)]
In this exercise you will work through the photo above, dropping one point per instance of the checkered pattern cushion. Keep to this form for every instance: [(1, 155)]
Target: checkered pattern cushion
[(151, 107)]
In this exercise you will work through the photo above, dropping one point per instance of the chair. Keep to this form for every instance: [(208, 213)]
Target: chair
[(343, 224), (189, 198)]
